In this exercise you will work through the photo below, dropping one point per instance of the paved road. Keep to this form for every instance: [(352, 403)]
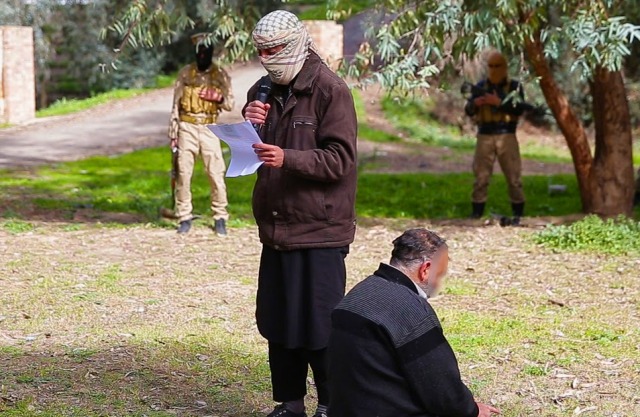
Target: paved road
[(114, 128)]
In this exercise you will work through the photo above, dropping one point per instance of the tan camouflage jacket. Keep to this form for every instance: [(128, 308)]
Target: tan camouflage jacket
[(188, 106)]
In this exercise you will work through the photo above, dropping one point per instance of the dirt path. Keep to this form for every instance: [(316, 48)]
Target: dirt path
[(114, 128), (140, 122)]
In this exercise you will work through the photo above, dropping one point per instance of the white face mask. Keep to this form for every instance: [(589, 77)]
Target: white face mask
[(283, 28), (284, 66)]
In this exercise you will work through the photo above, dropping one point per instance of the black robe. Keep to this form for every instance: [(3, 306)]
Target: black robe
[(297, 291)]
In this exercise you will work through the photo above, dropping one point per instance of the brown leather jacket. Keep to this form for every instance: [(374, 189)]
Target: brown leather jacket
[(310, 201)]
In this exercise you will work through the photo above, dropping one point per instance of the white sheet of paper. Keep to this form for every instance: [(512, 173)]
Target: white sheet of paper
[(240, 137)]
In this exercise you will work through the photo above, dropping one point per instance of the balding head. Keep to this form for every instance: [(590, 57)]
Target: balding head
[(423, 256)]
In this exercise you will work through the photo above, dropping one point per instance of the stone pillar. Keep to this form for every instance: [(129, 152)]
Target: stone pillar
[(329, 38), (17, 75)]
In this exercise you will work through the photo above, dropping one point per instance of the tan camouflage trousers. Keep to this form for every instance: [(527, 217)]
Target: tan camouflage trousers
[(194, 139), (505, 148)]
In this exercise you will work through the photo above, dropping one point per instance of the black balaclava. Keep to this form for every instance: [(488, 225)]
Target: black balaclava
[(204, 56)]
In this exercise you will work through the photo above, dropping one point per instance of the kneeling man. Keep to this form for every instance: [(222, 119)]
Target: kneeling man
[(388, 356)]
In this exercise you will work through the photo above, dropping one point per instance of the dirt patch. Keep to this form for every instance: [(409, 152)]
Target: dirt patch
[(136, 320)]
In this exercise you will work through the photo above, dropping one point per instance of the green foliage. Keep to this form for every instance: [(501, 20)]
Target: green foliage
[(332, 9), (412, 37), (535, 370), (17, 226), (613, 236), (64, 106), (69, 53), (364, 131), (67, 106), (149, 23), (415, 118)]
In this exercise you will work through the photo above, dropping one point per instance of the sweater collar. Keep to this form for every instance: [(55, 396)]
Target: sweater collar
[(392, 274)]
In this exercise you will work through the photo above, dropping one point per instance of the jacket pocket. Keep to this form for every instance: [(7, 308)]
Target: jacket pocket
[(305, 202), (305, 122), (303, 132)]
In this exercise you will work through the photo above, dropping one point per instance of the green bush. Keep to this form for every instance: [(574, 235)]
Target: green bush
[(612, 236)]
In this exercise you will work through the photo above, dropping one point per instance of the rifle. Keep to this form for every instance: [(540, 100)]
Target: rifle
[(537, 112), (165, 212), (171, 213)]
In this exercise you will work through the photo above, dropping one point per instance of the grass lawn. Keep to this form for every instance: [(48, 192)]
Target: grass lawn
[(111, 184), (64, 106), (138, 321), (317, 10), (134, 320), (130, 319), (414, 118)]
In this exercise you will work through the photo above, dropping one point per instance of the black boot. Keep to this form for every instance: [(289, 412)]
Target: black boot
[(184, 227), (518, 211), (477, 210), (220, 227)]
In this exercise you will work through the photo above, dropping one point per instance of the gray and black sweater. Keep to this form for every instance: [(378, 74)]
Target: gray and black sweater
[(388, 356)]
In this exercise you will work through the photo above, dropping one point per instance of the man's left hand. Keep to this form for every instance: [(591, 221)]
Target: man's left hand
[(485, 410), (271, 155), (492, 99), (211, 94)]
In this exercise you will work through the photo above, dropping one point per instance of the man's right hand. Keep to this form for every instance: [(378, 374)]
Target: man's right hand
[(256, 112), (173, 143), (479, 101), (485, 410)]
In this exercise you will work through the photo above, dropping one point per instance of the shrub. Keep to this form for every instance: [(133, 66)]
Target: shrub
[(612, 236)]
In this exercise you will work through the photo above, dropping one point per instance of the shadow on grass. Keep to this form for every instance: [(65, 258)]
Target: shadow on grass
[(132, 188), (125, 189), (165, 378)]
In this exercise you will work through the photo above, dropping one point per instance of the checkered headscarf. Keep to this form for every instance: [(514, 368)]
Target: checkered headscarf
[(283, 28)]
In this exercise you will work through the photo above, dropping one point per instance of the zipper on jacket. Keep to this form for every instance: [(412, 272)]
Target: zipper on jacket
[(303, 123)]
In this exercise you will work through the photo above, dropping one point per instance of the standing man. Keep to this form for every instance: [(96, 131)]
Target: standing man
[(388, 356), (496, 112), (202, 91), (303, 202)]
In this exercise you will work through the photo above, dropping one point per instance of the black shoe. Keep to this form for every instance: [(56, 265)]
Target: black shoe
[(477, 210), (506, 221), (282, 411), (319, 414), (517, 209), (220, 227), (184, 227)]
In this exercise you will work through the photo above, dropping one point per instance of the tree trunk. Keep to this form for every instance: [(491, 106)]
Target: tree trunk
[(636, 199), (567, 120), (611, 178)]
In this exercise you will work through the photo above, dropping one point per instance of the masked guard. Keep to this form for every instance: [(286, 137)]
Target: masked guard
[(202, 91), (496, 105)]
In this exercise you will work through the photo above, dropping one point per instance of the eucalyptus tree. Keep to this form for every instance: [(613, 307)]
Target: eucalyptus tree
[(414, 38), (148, 23), (422, 34)]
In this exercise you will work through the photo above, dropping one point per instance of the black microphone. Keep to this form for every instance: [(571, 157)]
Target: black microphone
[(262, 95)]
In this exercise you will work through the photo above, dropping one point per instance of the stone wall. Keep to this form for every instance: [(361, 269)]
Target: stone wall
[(17, 75), (329, 38)]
